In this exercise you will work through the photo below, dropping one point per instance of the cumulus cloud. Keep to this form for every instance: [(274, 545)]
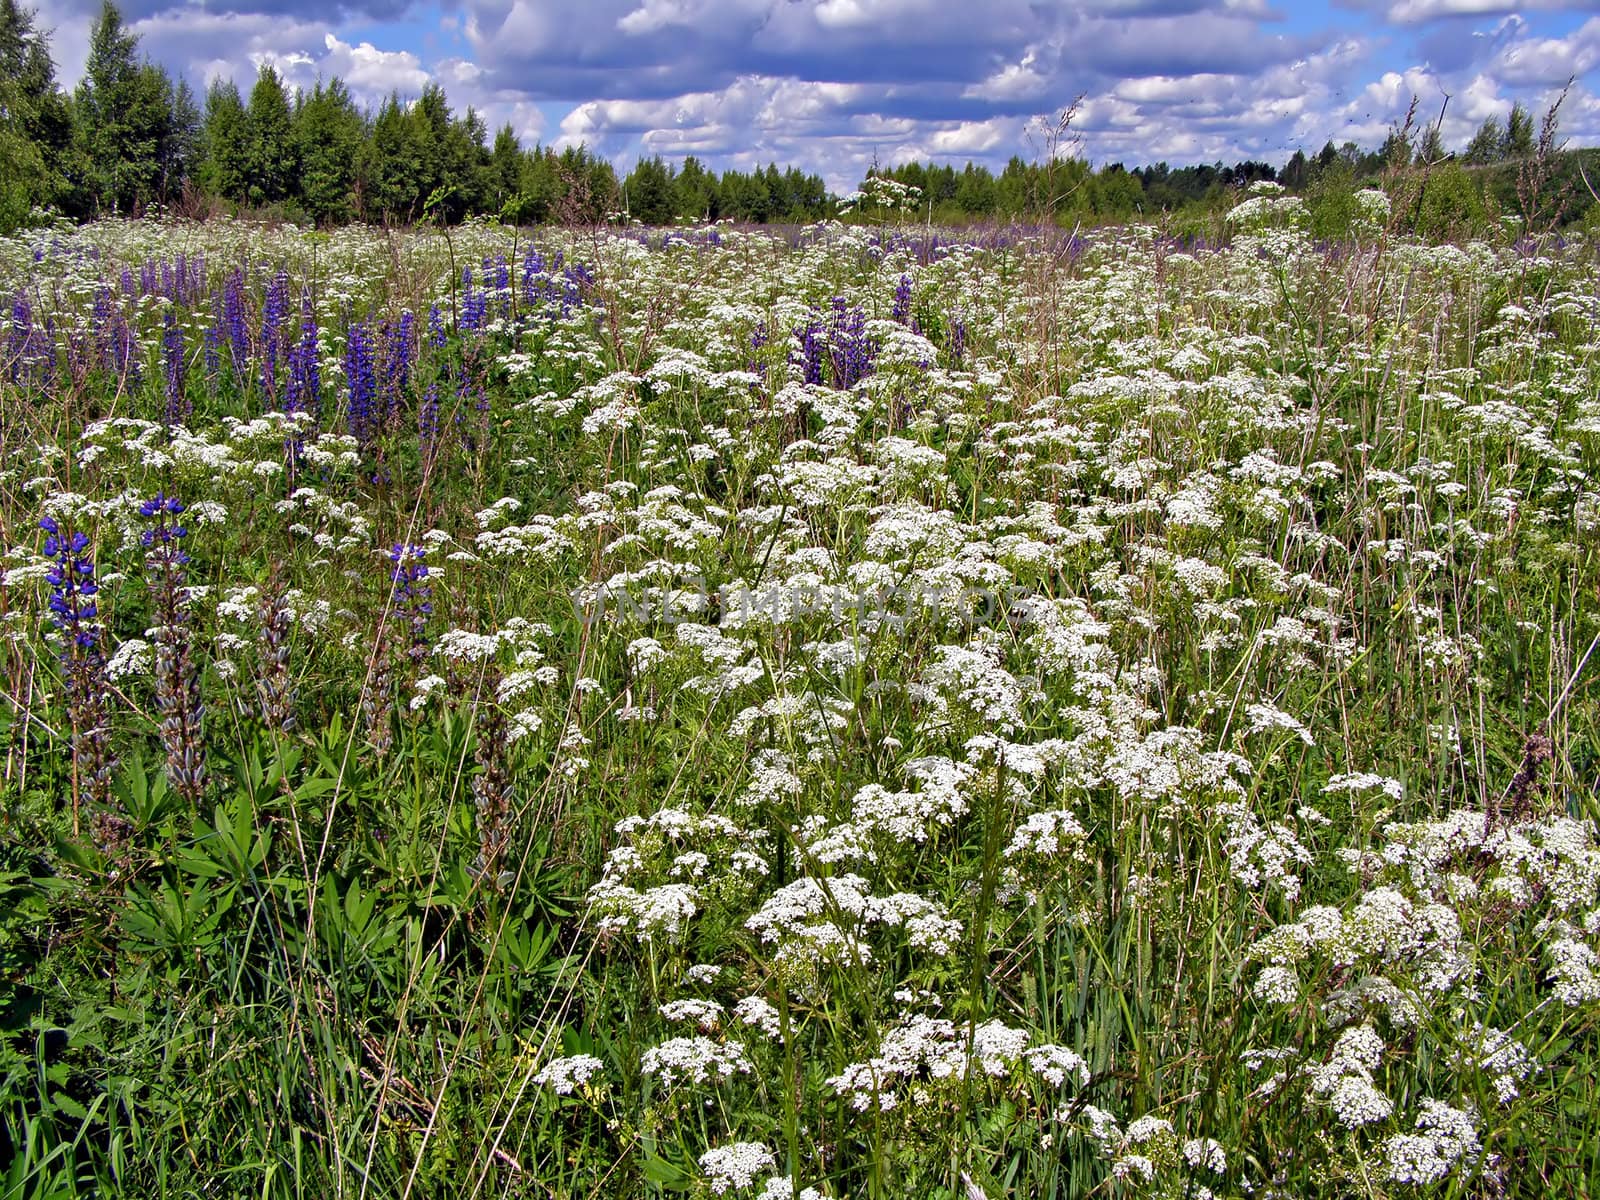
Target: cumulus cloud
[(1412, 12), (1545, 61)]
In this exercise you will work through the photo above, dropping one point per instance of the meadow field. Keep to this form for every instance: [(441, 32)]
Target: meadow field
[(866, 712)]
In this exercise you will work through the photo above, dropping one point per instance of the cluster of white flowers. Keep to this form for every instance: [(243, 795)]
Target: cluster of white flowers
[(1345, 1080), (694, 1060), (564, 1076), (818, 917), (735, 1165), (1446, 1139), (1054, 1064), (933, 1048), (1262, 855), (707, 1014)]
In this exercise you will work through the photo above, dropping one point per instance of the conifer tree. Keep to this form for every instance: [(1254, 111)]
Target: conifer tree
[(269, 142), (328, 135)]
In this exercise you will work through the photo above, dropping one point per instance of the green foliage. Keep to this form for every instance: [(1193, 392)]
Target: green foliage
[(124, 119), (269, 158), (650, 192), (328, 133), (1487, 143), (35, 125), (1331, 201), (225, 163), (1451, 206)]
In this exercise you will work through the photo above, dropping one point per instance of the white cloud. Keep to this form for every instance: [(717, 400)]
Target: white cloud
[(1547, 62), (1414, 12), (1016, 81), (972, 137), (371, 72)]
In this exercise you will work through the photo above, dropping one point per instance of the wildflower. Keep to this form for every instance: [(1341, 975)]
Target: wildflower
[(1445, 1137), (563, 1076), (179, 405), (361, 379), (304, 391), (694, 1059), (757, 1013), (901, 313), (735, 1165), (177, 676), (1054, 1063), (233, 329), (274, 316), (413, 595), (428, 421), (1345, 1080), (706, 1014), (1207, 1153), (75, 614)]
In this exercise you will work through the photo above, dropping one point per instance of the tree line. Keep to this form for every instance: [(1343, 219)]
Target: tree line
[(129, 137)]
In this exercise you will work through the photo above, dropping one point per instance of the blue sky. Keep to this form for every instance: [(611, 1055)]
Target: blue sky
[(832, 85)]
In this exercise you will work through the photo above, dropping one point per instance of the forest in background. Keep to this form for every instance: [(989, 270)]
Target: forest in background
[(130, 138)]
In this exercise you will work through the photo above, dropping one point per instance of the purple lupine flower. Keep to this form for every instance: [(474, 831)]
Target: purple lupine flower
[(758, 342), (902, 301), (129, 288), (532, 270), (470, 394), (190, 276), (813, 346), (361, 378), (500, 272), (100, 318), (834, 347), (124, 349), (74, 611), (850, 349), (437, 335), (474, 309), (413, 595), (164, 536), (73, 589), (20, 336), (394, 367), (958, 338), (405, 343), (428, 420), (274, 316), (177, 677), (179, 406), (304, 391), (234, 321), (213, 352), (30, 349)]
